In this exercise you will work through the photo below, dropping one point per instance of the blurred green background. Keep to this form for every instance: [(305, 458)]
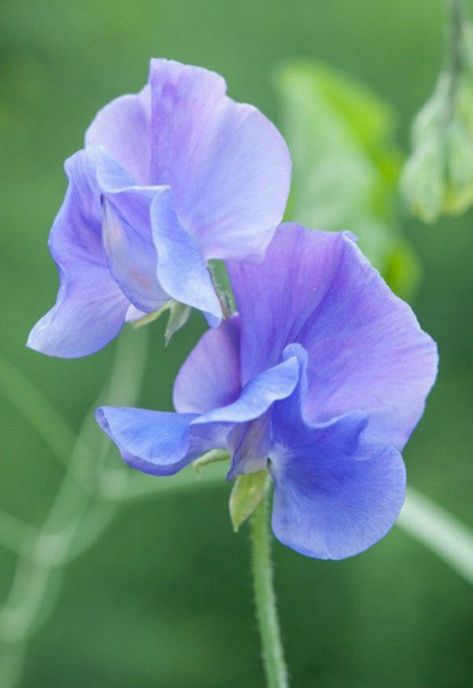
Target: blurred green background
[(163, 598)]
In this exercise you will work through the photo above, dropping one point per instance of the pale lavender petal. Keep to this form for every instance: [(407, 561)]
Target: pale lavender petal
[(122, 127), (132, 260), (366, 349), (182, 270), (131, 199), (210, 376), (227, 165), (90, 308)]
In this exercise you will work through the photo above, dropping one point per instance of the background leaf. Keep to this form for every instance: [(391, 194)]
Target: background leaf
[(345, 163)]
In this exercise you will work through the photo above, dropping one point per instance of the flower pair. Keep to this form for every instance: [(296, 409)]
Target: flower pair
[(320, 376)]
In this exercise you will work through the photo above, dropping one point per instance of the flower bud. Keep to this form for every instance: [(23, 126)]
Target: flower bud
[(438, 177)]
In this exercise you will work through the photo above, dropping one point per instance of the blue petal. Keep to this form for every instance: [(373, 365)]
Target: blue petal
[(182, 270), (90, 308), (366, 348), (335, 495), (123, 128), (162, 443), (249, 445), (210, 376), (258, 395), (154, 442)]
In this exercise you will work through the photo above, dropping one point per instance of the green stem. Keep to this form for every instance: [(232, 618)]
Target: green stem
[(272, 650), (455, 50)]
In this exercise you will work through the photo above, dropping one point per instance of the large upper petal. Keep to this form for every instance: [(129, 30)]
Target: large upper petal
[(335, 495), (227, 165), (366, 349), (122, 127), (90, 308)]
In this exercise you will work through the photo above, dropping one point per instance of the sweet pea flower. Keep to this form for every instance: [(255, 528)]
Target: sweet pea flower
[(320, 379), (169, 178)]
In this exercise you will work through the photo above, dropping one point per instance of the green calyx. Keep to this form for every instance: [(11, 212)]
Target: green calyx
[(247, 493)]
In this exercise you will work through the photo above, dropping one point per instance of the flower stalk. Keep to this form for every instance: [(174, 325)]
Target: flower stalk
[(455, 58), (265, 599)]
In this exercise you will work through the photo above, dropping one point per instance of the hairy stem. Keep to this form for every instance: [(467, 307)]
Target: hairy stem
[(272, 650)]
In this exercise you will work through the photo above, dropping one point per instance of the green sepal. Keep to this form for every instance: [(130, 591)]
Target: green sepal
[(213, 456), (247, 493), (149, 317), (178, 316)]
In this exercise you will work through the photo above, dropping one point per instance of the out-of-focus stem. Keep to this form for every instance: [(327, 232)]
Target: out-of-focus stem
[(455, 51)]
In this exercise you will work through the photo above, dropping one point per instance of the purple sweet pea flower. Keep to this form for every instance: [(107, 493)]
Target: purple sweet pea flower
[(320, 378), (169, 178)]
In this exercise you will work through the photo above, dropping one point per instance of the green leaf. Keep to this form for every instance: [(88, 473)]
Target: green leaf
[(345, 162), (247, 493)]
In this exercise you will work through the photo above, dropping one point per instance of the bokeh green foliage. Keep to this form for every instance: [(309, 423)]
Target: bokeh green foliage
[(346, 164), (164, 598)]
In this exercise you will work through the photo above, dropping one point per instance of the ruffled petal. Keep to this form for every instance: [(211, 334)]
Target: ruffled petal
[(210, 376), (90, 308), (227, 165), (182, 270), (122, 127), (366, 349), (258, 395), (155, 442), (334, 495), (162, 443)]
